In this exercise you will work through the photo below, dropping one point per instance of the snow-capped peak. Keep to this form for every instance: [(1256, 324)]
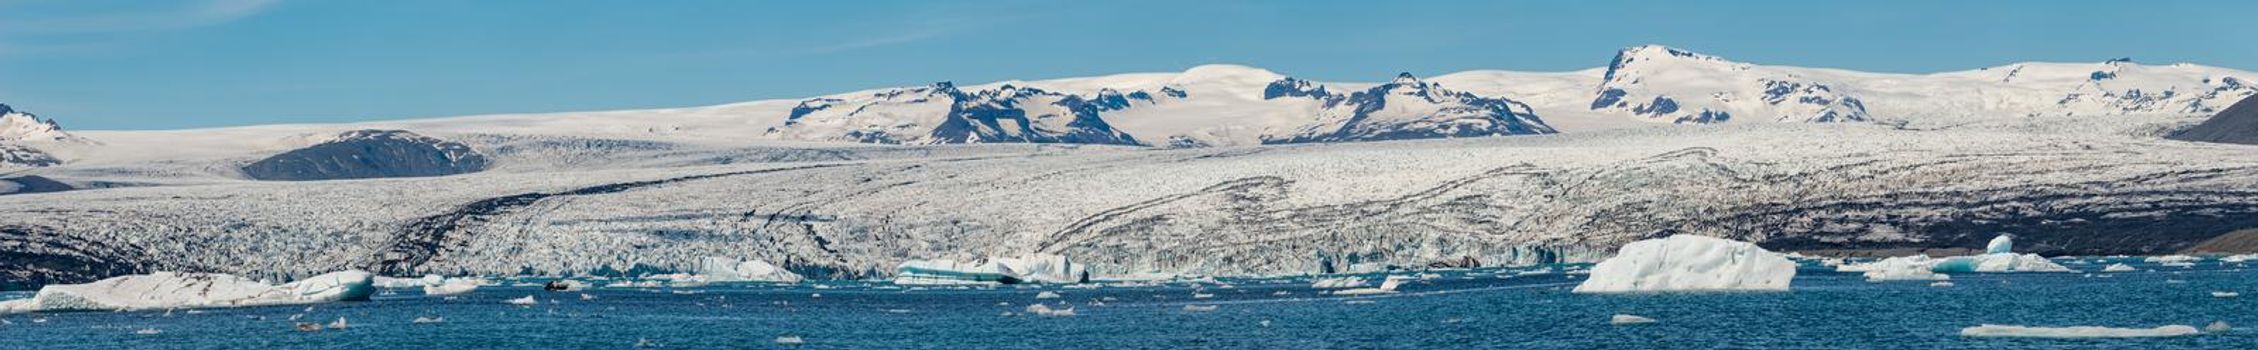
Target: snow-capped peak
[(1405, 78), (20, 126)]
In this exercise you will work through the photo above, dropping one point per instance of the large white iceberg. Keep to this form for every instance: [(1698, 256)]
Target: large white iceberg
[(1992, 330), (1904, 268), (169, 290), (1035, 268), (1690, 263), (718, 269)]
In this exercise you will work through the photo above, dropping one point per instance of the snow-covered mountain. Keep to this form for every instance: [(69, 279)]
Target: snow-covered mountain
[(942, 114), (1404, 109), (1671, 85), (21, 136), (363, 154)]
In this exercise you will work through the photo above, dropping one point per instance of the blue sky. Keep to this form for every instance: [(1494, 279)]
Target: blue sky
[(109, 64)]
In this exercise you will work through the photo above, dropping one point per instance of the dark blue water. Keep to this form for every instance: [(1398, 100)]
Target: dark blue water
[(1462, 309)]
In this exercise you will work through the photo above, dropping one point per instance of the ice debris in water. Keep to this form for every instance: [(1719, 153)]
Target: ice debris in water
[(2118, 267), (1046, 295), (1690, 263), (1200, 308), (1991, 330), (428, 319), (524, 301), (2217, 326), (1624, 319), (2225, 294)]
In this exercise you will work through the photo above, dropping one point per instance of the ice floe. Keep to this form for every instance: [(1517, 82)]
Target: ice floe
[(1690, 263), (523, 301), (172, 290), (1995, 259), (1991, 330)]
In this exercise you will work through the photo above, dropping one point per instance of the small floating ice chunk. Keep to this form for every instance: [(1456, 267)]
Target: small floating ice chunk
[(2119, 267), (1624, 319), (1045, 310), (1200, 308), (2217, 326), (338, 324), (2225, 294), (1941, 284), (1992, 330), (524, 301), (1202, 295), (428, 319), (586, 296), (790, 340), (1046, 295), (1690, 263), (147, 331)]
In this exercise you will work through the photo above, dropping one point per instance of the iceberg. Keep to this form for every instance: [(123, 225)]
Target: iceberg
[(1991, 330), (452, 286), (1045, 310), (1623, 319), (522, 301), (170, 290), (1690, 263), (719, 269), (1995, 259), (2171, 259), (1337, 283), (1386, 287), (1035, 268), (2118, 267), (1904, 268)]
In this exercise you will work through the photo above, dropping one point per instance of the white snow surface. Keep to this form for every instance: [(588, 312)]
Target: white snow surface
[(170, 290), (1690, 263), (2006, 331)]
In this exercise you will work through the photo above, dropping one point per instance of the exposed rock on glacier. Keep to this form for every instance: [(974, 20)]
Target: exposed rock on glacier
[(1992, 330), (1690, 263), (943, 113), (167, 290), (1035, 268), (362, 154)]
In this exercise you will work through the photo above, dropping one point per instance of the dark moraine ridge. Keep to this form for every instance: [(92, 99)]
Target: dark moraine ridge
[(364, 154), (2237, 124)]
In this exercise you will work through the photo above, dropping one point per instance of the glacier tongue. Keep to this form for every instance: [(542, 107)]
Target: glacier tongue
[(166, 290), (1690, 263)]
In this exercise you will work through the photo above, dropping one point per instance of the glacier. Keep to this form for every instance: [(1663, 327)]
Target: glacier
[(1034, 268), (1690, 263)]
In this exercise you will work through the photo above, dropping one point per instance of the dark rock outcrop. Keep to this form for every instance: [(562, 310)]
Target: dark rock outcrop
[(364, 154), (2237, 124)]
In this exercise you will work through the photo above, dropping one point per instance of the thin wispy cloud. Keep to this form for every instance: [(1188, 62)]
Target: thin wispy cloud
[(189, 15)]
